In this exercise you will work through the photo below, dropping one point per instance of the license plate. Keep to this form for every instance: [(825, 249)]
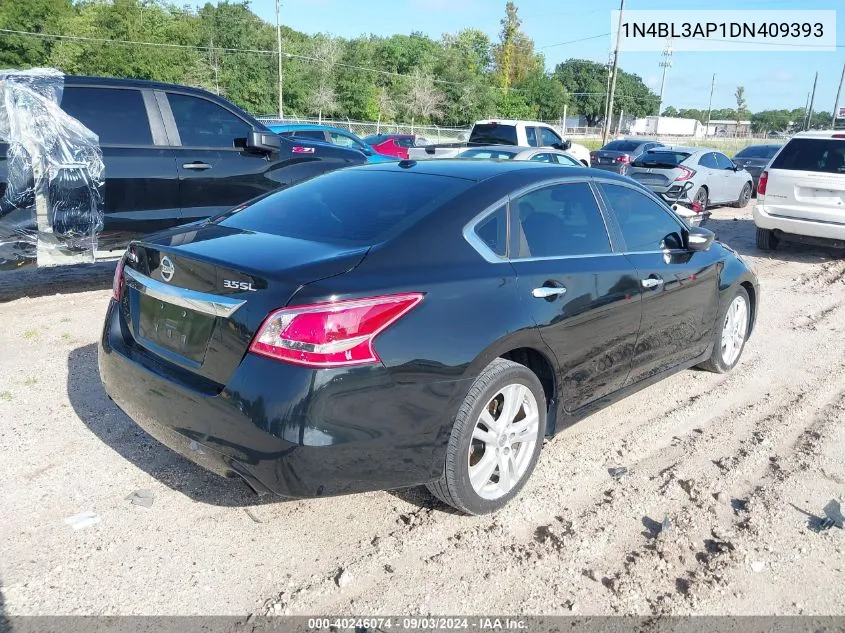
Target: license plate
[(179, 330)]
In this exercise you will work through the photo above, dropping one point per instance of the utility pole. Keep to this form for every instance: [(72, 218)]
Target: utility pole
[(809, 121), (710, 106), (666, 63), (615, 70), (607, 88), (836, 105), (279, 47)]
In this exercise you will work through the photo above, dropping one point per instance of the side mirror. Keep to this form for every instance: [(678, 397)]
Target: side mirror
[(263, 142), (565, 145), (699, 239)]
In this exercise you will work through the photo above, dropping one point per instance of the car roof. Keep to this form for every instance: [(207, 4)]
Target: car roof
[(305, 126), (771, 145), (513, 149), (821, 134), (683, 148), (478, 170), (510, 122), (73, 80)]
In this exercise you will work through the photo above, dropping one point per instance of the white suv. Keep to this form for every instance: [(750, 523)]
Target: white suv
[(801, 194)]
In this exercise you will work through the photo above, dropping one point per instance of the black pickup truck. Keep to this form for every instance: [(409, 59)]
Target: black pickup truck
[(172, 155)]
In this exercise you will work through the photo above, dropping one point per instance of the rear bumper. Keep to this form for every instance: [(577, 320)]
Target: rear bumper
[(290, 430), (617, 168), (764, 219)]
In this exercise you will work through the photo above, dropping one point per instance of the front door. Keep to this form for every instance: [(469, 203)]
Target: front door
[(584, 297), (216, 172), (679, 286)]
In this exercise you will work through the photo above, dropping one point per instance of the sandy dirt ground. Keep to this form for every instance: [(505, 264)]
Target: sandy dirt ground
[(727, 477)]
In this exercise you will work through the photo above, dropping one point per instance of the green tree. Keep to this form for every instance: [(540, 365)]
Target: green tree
[(39, 16), (544, 95), (514, 54), (671, 111), (741, 103)]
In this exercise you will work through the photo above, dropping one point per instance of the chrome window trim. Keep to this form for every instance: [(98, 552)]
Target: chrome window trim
[(214, 305), (477, 243)]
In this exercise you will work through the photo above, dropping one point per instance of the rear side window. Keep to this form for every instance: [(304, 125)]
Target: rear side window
[(116, 115), (813, 154), (645, 225), (661, 158), (493, 231), (493, 134), (562, 220), (359, 207), (202, 123)]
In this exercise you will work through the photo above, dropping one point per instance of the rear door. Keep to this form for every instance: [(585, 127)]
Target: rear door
[(680, 287), (584, 296), (712, 177), (807, 180), (141, 193), (215, 170)]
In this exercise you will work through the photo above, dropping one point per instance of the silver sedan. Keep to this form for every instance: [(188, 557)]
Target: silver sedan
[(706, 176), (516, 152)]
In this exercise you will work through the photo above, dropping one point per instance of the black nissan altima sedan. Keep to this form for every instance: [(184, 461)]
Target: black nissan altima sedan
[(413, 323)]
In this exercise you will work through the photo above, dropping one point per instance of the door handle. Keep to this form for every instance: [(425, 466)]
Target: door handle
[(196, 165), (652, 282), (545, 292)]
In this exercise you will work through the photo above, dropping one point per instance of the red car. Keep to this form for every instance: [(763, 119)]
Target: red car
[(392, 144)]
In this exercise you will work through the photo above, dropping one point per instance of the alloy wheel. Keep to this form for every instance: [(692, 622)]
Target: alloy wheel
[(734, 330), (503, 441)]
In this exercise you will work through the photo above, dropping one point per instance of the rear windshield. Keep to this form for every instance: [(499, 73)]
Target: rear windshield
[(359, 207), (813, 154), (662, 158), (493, 134), (622, 146), (487, 153), (758, 151)]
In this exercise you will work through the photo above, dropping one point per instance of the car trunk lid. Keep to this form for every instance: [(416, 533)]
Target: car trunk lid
[(195, 297)]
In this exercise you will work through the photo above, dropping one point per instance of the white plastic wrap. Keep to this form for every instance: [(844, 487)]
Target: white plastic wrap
[(52, 203)]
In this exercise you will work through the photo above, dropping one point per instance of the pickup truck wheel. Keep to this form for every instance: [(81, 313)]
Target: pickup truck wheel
[(766, 239), (731, 333), (495, 441)]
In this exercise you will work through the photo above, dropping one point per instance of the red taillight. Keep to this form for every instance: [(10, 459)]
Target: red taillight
[(623, 159), (688, 173), (117, 282), (761, 183), (837, 136), (335, 334)]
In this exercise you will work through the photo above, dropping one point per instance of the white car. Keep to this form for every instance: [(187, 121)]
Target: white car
[(801, 193), (515, 152)]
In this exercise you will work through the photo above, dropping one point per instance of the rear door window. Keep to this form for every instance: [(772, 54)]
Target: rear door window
[(348, 206), (622, 146), (493, 134), (709, 160), (645, 225), (117, 115), (812, 154), (203, 123), (559, 221)]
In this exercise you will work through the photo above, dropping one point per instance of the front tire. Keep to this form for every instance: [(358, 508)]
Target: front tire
[(766, 239), (744, 197), (495, 441), (731, 333)]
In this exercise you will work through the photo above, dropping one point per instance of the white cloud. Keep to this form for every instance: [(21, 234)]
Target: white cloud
[(652, 81)]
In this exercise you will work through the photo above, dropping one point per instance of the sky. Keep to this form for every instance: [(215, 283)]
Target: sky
[(771, 79)]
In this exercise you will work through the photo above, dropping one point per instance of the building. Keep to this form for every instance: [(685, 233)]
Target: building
[(729, 128)]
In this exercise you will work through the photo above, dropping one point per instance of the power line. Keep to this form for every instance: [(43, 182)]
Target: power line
[(583, 39)]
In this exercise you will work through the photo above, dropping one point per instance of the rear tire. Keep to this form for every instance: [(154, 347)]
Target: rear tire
[(731, 333), (501, 423), (744, 197), (701, 198), (766, 239)]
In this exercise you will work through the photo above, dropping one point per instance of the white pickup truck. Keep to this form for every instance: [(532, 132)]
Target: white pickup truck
[(504, 132)]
